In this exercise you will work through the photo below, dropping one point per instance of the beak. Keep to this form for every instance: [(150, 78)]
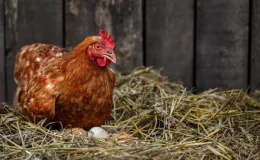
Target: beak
[(110, 56)]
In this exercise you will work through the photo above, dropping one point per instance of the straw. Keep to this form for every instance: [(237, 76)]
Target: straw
[(153, 119)]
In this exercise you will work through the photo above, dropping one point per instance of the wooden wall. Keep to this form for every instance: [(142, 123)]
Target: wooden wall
[(206, 44), (2, 54), (222, 30)]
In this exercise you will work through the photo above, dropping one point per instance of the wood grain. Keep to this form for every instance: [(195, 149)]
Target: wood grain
[(27, 22), (169, 38), (122, 19), (255, 46), (2, 53), (222, 44)]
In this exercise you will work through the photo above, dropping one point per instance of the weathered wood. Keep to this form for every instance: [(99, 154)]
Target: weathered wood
[(27, 22), (222, 44), (122, 19), (255, 46), (169, 37), (2, 54)]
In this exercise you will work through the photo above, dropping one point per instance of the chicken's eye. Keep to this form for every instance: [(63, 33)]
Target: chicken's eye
[(98, 47)]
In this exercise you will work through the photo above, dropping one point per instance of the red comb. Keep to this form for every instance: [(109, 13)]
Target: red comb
[(106, 37)]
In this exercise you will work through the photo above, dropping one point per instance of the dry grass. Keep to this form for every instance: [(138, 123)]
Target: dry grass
[(165, 120)]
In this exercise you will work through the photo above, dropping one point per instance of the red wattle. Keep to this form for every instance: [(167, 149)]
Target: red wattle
[(108, 62), (101, 62)]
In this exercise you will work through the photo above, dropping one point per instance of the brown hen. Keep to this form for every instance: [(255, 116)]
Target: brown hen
[(74, 87)]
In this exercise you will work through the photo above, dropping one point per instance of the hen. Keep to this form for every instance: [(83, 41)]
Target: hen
[(71, 87)]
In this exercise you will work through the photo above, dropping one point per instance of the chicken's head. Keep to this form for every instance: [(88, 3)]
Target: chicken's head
[(102, 51)]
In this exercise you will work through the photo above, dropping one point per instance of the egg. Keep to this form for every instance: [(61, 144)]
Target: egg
[(97, 132)]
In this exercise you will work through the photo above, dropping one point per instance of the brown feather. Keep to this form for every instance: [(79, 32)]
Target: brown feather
[(69, 88)]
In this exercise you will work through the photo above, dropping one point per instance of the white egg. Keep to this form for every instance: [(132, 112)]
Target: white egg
[(97, 132)]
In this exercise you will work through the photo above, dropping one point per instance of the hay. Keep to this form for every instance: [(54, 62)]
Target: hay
[(164, 120)]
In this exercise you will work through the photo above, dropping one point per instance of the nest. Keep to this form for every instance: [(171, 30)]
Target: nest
[(161, 120)]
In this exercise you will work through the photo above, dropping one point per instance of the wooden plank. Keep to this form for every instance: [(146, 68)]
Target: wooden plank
[(27, 22), (255, 46), (222, 44), (169, 38), (123, 19), (2, 54)]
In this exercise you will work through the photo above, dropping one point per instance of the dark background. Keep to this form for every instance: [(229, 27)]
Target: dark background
[(204, 43)]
